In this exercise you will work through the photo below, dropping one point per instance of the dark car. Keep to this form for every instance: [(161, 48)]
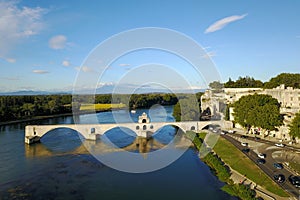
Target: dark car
[(244, 136), (261, 161), (295, 180), (256, 138), (278, 165), (280, 178), (246, 150)]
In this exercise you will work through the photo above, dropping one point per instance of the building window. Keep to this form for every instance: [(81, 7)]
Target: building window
[(144, 127), (292, 98), (137, 127), (93, 130)]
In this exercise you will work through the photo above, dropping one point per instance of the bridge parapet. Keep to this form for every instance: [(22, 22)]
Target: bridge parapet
[(33, 133)]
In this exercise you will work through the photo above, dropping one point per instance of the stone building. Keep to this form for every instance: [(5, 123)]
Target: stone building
[(288, 97)]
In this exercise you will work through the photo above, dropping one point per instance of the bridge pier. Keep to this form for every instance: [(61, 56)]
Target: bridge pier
[(32, 139)]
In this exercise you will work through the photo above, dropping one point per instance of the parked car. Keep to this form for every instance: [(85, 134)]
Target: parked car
[(231, 131), (278, 165), (280, 178), (261, 155), (295, 180), (244, 136), (256, 138), (223, 132), (261, 161), (244, 144), (246, 150), (279, 144)]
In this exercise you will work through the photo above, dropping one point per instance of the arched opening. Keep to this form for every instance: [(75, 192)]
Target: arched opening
[(119, 137), (168, 133), (211, 127), (93, 130), (193, 128), (137, 128), (144, 121), (151, 126), (206, 114), (62, 140), (144, 127)]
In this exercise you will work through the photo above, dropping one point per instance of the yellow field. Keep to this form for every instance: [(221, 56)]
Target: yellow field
[(100, 106)]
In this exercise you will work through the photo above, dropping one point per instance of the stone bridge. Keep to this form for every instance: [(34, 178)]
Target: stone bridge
[(143, 128)]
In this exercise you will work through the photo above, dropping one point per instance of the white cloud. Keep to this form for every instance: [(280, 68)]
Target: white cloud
[(58, 42), (66, 63), (17, 23), (124, 65), (85, 69), (209, 55), (10, 60), (10, 78), (218, 25), (38, 71), (101, 84)]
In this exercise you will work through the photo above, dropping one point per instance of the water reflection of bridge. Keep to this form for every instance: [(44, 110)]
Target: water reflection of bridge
[(144, 128), (140, 144)]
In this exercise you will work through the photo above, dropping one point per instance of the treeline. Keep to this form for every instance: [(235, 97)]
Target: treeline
[(28, 106), (221, 170), (188, 107), (288, 79), (25, 107), (132, 101)]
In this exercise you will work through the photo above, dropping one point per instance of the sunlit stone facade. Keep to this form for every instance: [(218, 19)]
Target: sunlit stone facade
[(288, 97)]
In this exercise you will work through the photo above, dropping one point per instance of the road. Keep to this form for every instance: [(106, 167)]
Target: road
[(268, 167)]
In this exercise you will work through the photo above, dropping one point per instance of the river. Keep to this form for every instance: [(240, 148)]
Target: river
[(58, 168)]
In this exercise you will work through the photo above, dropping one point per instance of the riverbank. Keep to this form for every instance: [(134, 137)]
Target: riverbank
[(35, 118), (242, 177)]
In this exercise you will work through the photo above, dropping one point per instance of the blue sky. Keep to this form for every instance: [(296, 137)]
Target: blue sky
[(43, 44)]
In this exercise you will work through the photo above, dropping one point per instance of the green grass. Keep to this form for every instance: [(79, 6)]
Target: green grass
[(100, 106), (242, 164), (295, 166)]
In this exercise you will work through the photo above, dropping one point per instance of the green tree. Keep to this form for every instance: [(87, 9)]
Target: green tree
[(258, 110), (216, 85), (187, 109), (244, 82), (295, 127), (288, 79)]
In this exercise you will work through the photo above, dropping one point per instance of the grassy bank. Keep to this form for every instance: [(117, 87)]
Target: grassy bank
[(295, 166), (242, 164), (101, 107), (228, 154)]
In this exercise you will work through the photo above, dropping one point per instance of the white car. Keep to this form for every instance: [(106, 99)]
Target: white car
[(231, 131), (279, 144), (261, 155), (244, 144)]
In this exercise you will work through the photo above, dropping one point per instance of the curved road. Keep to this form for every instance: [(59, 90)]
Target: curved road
[(268, 167)]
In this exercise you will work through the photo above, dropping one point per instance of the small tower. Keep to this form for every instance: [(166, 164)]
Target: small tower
[(144, 119)]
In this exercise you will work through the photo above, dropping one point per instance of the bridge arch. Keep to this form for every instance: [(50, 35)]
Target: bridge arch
[(62, 139), (123, 128)]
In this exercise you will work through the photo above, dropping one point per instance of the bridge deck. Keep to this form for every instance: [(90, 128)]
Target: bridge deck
[(90, 131)]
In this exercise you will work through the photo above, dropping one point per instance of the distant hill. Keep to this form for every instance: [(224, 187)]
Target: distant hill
[(30, 92), (102, 90)]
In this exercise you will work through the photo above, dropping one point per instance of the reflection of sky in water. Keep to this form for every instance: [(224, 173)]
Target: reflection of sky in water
[(156, 113)]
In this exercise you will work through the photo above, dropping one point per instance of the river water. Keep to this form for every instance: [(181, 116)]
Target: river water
[(60, 167)]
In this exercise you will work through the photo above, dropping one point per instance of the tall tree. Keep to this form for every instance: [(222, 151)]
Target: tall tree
[(288, 79), (295, 127), (258, 110), (216, 85)]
